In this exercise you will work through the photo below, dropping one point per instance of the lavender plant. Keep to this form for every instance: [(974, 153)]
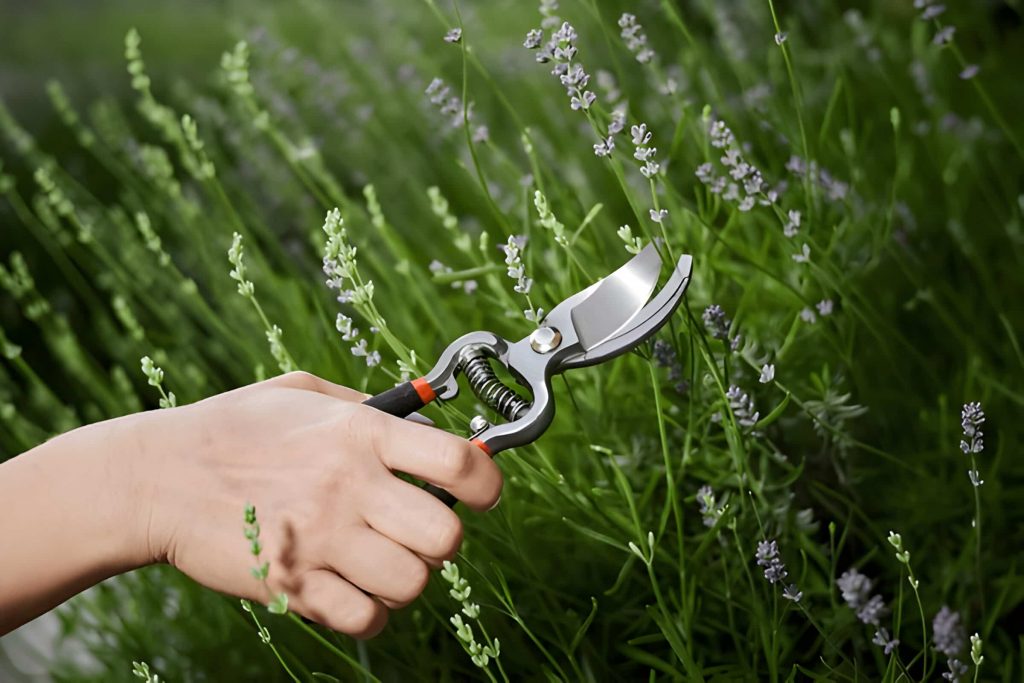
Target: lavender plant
[(387, 177)]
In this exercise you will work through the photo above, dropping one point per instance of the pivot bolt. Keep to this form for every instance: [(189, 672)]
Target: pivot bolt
[(545, 339), (478, 424)]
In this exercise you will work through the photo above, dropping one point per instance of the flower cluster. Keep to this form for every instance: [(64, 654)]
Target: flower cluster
[(339, 263), (742, 407), (453, 36), (741, 173), (517, 271), (151, 239), (643, 153), (236, 254), (767, 557), (450, 106), (277, 349), (885, 641), (665, 356), (718, 326), (155, 377), (949, 638), (856, 591), (709, 509), (547, 219), (348, 333), (636, 39), (824, 307), (948, 633), (633, 244), (460, 591), (792, 225), (561, 49), (972, 417), (835, 190), (279, 602)]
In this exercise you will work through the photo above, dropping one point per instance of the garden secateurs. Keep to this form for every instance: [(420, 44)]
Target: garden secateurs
[(612, 316)]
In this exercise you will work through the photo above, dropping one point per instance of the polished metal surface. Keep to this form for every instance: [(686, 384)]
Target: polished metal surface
[(604, 320), (545, 339), (617, 298)]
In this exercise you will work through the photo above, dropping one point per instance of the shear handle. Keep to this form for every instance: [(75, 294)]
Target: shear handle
[(403, 400)]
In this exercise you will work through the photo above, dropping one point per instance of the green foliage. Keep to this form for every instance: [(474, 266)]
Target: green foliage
[(714, 507)]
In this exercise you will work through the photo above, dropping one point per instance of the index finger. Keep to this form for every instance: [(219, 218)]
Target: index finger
[(442, 459)]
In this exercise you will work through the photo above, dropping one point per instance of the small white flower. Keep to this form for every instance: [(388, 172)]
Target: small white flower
[(944, 35), (808, 316), (804, 255), (970, 71), (780, 37), (767, 374), (453, 36), (825, 307), (659, 215)]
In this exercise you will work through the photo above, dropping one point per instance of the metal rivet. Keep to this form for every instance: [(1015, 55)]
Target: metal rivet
[(478, 424), (545, 339)]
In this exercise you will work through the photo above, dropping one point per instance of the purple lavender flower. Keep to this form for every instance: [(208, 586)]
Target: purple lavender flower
[(883, 640), (716, 322), (742, 407), (970, 71), (791, 592), (948, 633), (855, 588), (710, 513), (872, 611), (767, 556), (972, 417), (956, 670), (944, 35), (666, 357), (636, 39)]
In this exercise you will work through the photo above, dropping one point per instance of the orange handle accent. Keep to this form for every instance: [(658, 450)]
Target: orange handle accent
[(424, 390)]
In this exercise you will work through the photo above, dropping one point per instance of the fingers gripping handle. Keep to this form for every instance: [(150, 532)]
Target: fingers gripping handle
[(405, 399), (442, 495)]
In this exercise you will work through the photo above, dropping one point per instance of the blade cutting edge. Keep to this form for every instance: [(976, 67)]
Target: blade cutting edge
[(617, 299)]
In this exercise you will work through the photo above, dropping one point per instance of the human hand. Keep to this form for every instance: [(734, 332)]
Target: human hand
[(345, 538)]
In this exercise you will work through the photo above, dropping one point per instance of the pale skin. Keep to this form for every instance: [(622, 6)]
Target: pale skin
[(347, 540)]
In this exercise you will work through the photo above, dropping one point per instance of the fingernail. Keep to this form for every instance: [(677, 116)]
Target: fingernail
[(495, 503)]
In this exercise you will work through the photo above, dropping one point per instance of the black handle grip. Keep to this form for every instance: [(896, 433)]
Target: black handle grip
[(400, 401)]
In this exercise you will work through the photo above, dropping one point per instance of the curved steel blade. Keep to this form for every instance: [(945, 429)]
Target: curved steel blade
[(648, 321), (615, 301)]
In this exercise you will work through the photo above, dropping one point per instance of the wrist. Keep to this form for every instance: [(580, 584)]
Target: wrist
[(111, 480)]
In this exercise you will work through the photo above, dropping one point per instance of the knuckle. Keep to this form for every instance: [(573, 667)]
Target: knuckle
[(447, 535), (457, 460), (300, 379), (417, 577), (362, 616)]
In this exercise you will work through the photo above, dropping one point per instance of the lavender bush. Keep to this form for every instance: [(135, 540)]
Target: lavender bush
[(777, 488)]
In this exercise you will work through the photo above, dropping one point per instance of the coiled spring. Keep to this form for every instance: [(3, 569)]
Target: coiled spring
[(491, 390)]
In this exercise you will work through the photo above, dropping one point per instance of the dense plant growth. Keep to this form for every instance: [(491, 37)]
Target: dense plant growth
[(790, 482)]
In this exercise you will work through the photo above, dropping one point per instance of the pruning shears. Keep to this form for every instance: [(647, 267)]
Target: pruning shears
[(608, 318)]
